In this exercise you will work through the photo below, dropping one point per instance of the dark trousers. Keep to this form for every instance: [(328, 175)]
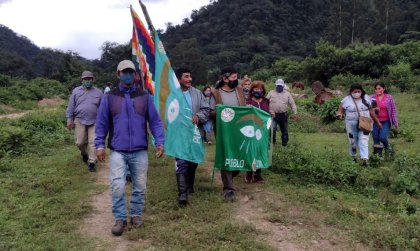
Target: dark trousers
[(281, 119), (182, 166), (227, 179)]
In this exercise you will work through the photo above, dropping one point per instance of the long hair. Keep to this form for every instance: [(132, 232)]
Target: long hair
[(359, 87), (381, 85)]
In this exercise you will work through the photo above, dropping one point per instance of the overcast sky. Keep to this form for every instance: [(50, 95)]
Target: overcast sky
[(84, 25)]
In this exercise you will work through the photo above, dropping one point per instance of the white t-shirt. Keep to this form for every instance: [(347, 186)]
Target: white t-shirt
[(349, 107)]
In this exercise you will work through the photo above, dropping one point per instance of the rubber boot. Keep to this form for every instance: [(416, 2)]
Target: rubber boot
[(190, 179), (182, 188), (377, 149)]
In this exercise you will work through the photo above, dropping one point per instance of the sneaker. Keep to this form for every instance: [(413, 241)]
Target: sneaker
[(119, 227), (136, 221), (85, 157), (248, 177), (209, 142), (230, 196), (92, 167), (258, 179)]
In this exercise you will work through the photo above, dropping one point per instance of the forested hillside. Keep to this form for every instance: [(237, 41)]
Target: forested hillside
[(252, 34), (20, 57), (249, 35)]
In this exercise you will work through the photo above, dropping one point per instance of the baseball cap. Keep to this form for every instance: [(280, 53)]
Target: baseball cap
[(126, 64), (280, 82), (87, 74)]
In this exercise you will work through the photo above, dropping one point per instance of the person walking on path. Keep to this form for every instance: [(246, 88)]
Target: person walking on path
[(227, 92), (81, 114), (185, 170), (257, 98), (387, 114), (127, 112), (280, 101), (355, 105)]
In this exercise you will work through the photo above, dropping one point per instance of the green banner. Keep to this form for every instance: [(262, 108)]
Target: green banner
[(243, 136)]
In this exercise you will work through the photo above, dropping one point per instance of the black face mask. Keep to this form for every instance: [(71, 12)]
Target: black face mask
[(233, 84)]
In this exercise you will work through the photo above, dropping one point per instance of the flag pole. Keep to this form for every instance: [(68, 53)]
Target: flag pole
[(270, 161), (148, 20)]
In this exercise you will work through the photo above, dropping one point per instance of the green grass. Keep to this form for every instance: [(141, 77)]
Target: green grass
[(45, 196), (44, 200), (206, 224)]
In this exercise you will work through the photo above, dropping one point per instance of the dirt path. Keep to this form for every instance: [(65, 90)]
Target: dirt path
[(98, 225), (13, 115), (282, 224)]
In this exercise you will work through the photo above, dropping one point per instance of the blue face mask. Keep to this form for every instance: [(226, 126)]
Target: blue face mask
[(257, 94), (279, 88), (127, 78)]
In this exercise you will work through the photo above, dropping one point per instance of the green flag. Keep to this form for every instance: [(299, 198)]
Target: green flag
[(243, 134), (182, 137)]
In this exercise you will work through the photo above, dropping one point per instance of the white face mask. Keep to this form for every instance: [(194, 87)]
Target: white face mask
[(356, 95)]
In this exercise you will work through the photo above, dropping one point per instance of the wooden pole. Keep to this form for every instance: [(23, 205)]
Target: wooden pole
[(148, 20)]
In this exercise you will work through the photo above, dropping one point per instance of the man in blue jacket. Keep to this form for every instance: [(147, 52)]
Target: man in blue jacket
[(124, 113)]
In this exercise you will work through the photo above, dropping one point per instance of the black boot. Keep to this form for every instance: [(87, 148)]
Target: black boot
[(190, 179), (182, 188), (377, 149)]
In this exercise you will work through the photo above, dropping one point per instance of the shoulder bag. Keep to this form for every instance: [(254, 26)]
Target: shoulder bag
[(365, 123)]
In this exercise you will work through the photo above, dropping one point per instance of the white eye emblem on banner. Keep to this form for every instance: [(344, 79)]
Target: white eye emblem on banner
[(173, 110), (269, 121), (248, 131)]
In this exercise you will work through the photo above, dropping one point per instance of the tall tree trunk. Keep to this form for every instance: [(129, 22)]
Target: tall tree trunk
[(353, 21), (340, 26), (386, 21)]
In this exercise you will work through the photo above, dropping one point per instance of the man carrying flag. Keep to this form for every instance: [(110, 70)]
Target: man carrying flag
[(179, 106), (227, 92), (185, 170)]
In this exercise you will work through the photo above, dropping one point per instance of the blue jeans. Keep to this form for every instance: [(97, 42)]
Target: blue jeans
[(381, 135), (208, 128), (357, 139), (119, 163)]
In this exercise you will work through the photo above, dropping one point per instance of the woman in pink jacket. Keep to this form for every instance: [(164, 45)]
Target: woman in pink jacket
[(387, 115)]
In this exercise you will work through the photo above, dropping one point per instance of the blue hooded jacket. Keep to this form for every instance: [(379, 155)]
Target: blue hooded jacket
[(124, 113)]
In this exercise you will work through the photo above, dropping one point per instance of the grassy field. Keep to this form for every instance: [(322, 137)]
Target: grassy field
[(45, 197)]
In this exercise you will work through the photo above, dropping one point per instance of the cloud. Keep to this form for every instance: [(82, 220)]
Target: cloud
[(155, 1), (4, 1)]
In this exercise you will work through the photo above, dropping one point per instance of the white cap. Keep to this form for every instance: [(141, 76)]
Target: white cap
[(126, 64), (280, 82)]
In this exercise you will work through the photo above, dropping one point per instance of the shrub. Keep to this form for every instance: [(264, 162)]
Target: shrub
[(328, 110), (13, 140), (343, 81), (401, 75), (407, 177)]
